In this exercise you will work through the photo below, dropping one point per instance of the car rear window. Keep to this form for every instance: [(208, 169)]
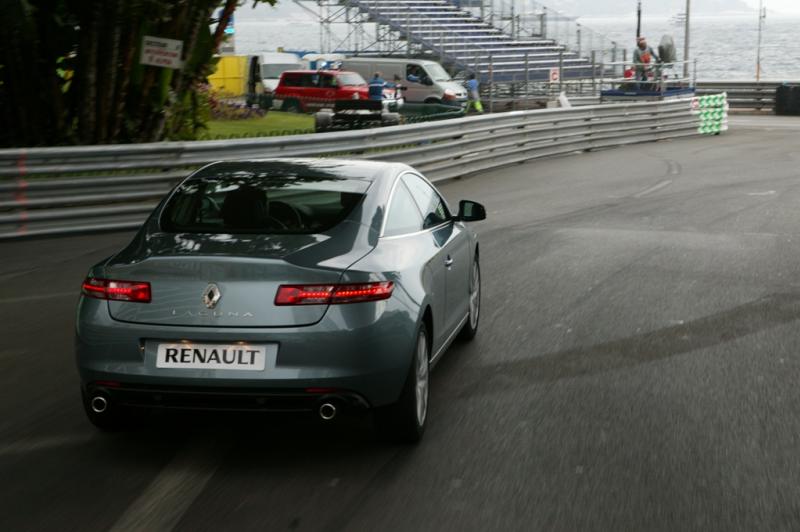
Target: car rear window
[(299, 79), (350, 79), (261, 202)]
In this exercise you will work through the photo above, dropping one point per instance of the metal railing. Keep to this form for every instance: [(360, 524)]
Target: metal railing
[(758, 95), (530, 18), (70, 190), (663, 78)]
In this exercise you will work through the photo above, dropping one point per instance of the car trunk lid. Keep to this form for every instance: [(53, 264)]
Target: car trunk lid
[(245, 274)]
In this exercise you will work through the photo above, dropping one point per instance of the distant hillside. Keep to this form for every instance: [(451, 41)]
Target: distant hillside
[(651, 7)]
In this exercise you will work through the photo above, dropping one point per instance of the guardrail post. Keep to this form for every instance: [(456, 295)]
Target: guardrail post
[(560, 70), (513, 22), (491, 83), (594, 71), (527, 75), (624, 61), (408, 33), (578, 38), (543, 22), (614, 52), (602, 77)]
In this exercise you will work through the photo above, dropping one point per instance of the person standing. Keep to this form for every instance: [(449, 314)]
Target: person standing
[(398, 87), (474, 93), (643, 58), (376, 86)]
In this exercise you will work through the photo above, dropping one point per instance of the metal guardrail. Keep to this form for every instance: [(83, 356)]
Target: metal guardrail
[(759, 95), (69, 190)]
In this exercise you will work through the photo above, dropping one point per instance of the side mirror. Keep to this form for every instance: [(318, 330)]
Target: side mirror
[(471, 211), (427, 81)]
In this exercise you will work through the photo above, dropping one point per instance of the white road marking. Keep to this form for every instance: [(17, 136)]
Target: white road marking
[(40, 444), (767, 193), (654, 188), (38, 297), (166, 499)]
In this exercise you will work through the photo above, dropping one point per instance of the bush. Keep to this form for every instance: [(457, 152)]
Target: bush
[(223, 109)]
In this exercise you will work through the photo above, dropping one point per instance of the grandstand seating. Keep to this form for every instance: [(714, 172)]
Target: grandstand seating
[(466, 43)]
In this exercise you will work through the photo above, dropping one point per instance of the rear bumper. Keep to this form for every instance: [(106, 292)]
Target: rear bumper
[(224, 399), (362, 349)]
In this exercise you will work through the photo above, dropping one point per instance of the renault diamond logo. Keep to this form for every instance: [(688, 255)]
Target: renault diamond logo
[(211, 295)]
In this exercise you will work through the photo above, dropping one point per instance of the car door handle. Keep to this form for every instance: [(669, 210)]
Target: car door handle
[(448, 261)]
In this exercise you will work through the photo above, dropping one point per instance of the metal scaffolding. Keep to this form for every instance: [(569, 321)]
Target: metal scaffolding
[(345, 28)]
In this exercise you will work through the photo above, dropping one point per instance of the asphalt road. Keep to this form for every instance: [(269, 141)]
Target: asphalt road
[(637, 368)]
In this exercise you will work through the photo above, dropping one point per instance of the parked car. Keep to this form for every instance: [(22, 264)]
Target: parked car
[(310, 90), (425, 81), (296, 285), (273, 64)]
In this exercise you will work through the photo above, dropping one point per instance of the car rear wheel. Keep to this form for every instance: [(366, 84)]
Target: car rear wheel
[(470, 328), (405, 420)]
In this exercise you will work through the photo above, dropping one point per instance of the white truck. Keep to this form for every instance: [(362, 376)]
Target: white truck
[(425, 81)]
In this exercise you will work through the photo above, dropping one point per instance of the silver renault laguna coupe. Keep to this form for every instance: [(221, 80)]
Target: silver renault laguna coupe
[(285, 285)]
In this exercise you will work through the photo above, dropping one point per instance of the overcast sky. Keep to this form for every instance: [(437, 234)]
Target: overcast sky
[(785, 6)]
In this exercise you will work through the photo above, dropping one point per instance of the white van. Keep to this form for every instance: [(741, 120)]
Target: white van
[(427, 81), (273, 64)]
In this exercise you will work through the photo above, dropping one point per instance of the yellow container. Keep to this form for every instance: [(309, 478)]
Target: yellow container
[(230, 77)]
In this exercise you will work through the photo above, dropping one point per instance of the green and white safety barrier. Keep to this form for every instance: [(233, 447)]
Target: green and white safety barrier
[(712, 111)]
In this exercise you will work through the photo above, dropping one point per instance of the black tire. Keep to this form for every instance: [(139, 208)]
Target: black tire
[(291, 106), (433, 100), (402, 422), (113, 419), (470, 328)]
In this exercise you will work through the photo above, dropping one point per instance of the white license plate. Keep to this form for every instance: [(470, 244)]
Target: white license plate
[(212, 356)]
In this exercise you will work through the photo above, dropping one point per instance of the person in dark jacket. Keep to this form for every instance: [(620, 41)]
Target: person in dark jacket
[(376, 86)]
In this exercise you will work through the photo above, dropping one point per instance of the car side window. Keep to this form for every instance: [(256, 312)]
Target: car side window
[(292, 80), (413, 73), (328, 81), (403, 216), (434, 210)]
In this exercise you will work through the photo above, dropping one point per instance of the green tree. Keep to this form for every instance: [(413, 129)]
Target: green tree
[(70, 71)]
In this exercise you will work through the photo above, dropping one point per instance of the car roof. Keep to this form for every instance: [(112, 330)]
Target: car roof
[(390, 60), (308, 71), (341, 168)]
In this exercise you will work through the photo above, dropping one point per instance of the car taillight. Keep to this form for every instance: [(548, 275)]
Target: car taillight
[(332, 294), (116, 290), (449, 94)]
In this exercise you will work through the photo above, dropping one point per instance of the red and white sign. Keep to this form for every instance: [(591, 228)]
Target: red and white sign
[(695, 104), (160, 52), (555, 75)]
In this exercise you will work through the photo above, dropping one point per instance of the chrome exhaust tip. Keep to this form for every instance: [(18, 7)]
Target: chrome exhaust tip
[(99, 404), (327, 411)]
